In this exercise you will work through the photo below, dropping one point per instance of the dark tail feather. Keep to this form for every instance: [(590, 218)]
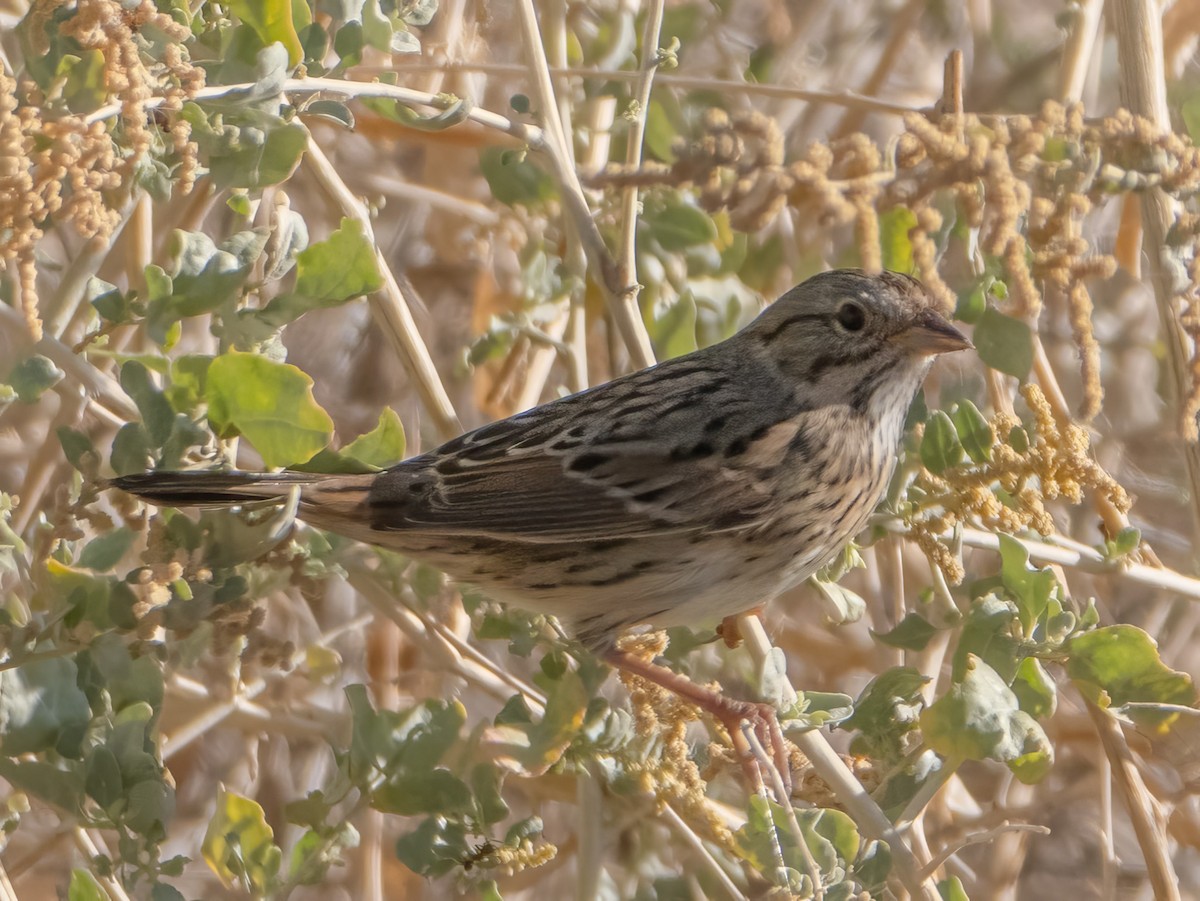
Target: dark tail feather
[(199, 488)]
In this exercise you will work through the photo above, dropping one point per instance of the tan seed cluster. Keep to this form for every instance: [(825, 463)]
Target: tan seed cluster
[(1056, 464), (1026, 184), (68, 169)]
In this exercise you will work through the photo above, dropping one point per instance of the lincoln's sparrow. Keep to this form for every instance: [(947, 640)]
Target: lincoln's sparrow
[(683, 493)]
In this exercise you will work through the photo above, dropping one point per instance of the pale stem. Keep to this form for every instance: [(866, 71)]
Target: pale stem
[(1085, 16), (541, 361), (1080, 557), (902, 24), (1138, 24), (104, 390), (7, 892), (636, 116), (589, 798), (861, 807), (450, 650), (59, 308), (90, 848), (849, 99), (622, 307), (785, 799), (981, 838), (702, 853), (389, 306), (1143, 809)]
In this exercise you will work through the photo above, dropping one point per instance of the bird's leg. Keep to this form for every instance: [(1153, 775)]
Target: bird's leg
[(731, 713)]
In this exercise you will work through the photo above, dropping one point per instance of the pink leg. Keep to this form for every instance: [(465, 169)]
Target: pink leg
[(729, 712)]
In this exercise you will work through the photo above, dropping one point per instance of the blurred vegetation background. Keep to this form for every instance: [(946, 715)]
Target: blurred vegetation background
[(331, 234)]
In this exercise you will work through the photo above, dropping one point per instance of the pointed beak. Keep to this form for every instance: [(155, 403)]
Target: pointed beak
[(931, 334)]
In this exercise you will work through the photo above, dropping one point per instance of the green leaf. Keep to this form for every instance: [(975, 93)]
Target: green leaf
[(485, 784), (940, 447), (189, 375), (383, 445), (270, 403), (103, 781), (841, 605), (418, 12), (248, 147), (239, 846), (766, 836), (435, 791), (674, 330), (75, 445), (328, 274), (990, 632), (895, 242), (677, 225), (1118, 665), (1031, 588), (1034, 688), (952, 890), (873, 866), (434, 848), (815, 709), (32, 377), (272, 22), (514, 180), (152, 403), (1004, 343), (979, 718), (104, 551), (151, 805), (206, 276), (53, 784), (1189, 110), (537, 746), (973, 431), (83, 86), (331, 111), (85, 887), (660, 132), (42, 708), (885, 711), (1128, 540), (130, 449), (912, 634), (163, 892)]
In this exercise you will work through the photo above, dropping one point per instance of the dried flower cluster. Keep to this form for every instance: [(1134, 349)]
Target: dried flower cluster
[(1055, 463), (1025, 184), (70, 169)]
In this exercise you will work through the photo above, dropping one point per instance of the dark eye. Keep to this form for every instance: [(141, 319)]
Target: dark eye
[(851, 316)]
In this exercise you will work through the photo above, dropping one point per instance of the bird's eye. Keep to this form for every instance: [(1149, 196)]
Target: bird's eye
[(851, 316)]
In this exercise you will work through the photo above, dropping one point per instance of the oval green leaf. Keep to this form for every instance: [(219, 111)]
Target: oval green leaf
[(270, 403)]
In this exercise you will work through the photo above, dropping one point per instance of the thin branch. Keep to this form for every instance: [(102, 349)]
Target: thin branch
[(636, 115), (851, 794), (849, 99), (1078, 47), (697, 845), (454, 653), (980, 838), (1138, 24), (1076, 556), (389, 305), (622, 305), (1143, 810), (589, 798), (104, 390), (902, 24)]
